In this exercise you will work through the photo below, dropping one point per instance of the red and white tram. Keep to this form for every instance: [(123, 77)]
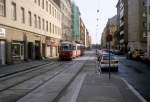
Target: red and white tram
[(69, 50)]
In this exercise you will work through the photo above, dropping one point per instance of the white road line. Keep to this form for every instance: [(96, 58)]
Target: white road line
[(134, 91), (76, 93)]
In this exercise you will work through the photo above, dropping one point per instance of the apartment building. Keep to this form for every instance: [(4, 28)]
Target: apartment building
[(65, 6), (122, 24), (110, 28), (132, 24), (82, 32), (75, 22), (28, 30)]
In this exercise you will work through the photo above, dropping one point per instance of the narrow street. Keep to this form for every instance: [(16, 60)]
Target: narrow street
[(72, 81)]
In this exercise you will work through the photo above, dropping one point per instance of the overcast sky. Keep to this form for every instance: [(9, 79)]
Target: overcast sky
[(88, 9)]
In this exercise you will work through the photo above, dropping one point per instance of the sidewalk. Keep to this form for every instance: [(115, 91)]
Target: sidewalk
[(9, 69), (98, 88)]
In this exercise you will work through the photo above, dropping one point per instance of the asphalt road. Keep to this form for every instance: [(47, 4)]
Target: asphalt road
[(137, 74)]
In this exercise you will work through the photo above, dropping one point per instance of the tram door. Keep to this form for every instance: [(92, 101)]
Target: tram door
[(2, 52)]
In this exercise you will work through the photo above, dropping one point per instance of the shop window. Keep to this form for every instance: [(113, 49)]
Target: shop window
[(17, 49)]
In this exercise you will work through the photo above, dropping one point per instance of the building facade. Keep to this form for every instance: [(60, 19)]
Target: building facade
[(110, 28), (65, 6), (28, 33), (75, 22), (132, 24), (122, 18), (82, 32), (113, 29)]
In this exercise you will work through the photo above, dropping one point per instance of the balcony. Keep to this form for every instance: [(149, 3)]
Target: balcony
[(122, 32), (121, 24), (121, 41)]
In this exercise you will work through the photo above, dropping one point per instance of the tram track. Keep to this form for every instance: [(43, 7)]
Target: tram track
[(23, 70), (20, 77), (43, 77)]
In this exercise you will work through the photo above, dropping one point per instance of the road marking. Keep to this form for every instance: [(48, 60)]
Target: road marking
[(76, 93), (134, 91)]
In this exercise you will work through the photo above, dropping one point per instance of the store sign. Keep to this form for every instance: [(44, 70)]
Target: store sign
[(2, 32)]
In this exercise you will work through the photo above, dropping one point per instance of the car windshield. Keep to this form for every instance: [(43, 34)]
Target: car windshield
[(107, 57)]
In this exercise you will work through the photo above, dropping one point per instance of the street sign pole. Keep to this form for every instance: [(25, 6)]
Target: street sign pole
[(109, 61), (109, 39)]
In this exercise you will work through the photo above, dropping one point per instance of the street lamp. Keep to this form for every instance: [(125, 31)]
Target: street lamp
[(148, 26)]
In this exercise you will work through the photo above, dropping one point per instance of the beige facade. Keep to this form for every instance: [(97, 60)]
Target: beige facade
[(65, 6), (31, 28)]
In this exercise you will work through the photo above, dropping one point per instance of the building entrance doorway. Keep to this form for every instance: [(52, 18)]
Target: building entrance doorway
[(30, 50), (2, 53), (37, 50)]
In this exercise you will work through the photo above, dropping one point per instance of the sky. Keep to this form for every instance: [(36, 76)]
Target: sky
[(89, 15)]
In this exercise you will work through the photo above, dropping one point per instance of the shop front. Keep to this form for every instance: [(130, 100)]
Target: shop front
[(2, 52), (2, 47), (51, 47), (17, 50)]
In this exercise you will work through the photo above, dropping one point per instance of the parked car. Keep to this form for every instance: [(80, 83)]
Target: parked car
[(145, 58), (135, 55), (104, 62), (117, 52)]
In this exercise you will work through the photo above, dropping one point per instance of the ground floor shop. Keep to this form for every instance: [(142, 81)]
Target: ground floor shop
[(52, 46), (17, 45), (2, 52)]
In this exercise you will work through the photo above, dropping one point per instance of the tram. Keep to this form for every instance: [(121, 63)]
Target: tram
[(69, 50)]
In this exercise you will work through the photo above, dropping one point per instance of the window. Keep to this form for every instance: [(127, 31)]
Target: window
[(144, 24), (39, 22), (35, 21), (14, 12), (53, 11), (144, 34), (30, 18), (39, 2), (53, 28), (22, 15), (47, 26), (43, 24), (46, 5), (43, 4), (50, 26), (2, 8), (17, 49), (50, 8)]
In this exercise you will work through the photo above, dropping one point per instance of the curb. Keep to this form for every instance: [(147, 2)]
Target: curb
[(135, 92)]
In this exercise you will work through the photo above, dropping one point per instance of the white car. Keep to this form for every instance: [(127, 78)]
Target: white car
[(104, 62)]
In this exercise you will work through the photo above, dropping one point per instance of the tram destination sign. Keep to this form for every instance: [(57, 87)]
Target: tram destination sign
[(2, 32)]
